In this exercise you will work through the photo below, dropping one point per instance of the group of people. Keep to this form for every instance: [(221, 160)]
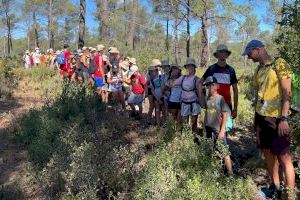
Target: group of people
[(179, 92)]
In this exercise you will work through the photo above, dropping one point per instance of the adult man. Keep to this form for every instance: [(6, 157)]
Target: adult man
[(272, 80), (226, 77)]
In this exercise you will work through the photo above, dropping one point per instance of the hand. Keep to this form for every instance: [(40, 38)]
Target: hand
[(234, 114), (221, 135), (283, 128)]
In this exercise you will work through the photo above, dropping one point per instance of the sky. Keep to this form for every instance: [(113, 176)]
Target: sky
[(260, 9)]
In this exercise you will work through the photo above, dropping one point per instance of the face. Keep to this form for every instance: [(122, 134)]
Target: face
[(153, 73), (254, 55), (175, 73), (114, 55), (222, 55), (212, 88), (191, 69), (166, 69)]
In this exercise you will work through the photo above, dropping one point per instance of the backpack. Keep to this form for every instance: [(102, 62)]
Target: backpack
[(295, 100), (152, 82), (195, 87), (60, 58)]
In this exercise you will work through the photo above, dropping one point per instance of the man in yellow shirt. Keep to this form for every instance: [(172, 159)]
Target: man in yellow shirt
[(272, 80)]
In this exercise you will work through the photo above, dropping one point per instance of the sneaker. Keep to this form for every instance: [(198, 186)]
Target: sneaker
[(272, 192)]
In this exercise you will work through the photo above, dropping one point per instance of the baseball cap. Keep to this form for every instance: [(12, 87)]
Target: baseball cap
[(253, 44), (210, 80)]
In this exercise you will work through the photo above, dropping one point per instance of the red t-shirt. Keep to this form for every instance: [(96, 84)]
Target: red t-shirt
[(67, 57), (138, 83), (99, 62)]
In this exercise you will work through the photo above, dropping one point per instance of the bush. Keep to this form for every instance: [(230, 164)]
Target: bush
[(182, 170), (8, 79)]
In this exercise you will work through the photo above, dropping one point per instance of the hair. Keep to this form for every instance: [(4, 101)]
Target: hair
[(66, 46), (170, 73)]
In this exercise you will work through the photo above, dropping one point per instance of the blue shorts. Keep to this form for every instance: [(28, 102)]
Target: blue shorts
[(135, 99), (99, 82)]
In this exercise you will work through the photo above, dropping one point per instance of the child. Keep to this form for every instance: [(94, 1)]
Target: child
[(189, 84), (137, 82), (114, 78), (175, 92), (157, 92), (216, 115)]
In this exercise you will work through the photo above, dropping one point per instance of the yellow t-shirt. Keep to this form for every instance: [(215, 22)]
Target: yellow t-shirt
[(267, 82)]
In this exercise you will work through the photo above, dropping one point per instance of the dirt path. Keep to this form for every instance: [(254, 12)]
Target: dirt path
[(14, 179)]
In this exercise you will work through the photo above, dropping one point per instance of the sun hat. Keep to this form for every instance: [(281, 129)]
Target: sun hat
[(93, 49), (109, 49), (114, 50), (90, 48), (132, 61), (253, 44), (124, 65), (210, 80), (84, 48), (165, 63), (221, 47), (27, 51), (100, 47), (134, 68), (155, 63), (190, 61), (36, 48)]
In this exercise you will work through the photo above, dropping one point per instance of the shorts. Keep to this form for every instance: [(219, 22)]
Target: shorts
[(174, 105), (116, 89), (106, 87), (99, 82), (135, 99), (213, 133), (190, 109), (267, 137)]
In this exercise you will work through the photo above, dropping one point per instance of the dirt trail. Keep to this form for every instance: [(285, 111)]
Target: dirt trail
[(14, 180)]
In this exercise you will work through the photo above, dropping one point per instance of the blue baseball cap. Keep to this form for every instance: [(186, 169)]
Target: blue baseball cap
[(253, 44), (210, 80)]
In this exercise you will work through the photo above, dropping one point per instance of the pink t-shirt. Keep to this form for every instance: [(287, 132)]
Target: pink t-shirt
[(189, 86)]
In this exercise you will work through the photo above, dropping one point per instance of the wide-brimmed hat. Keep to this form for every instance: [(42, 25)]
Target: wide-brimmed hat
[(114, 50), (155, 63), (132, 61), (84, 48), (174, 65), (93, 49), (165, 63), (134, 68), (109, 49), (253, 44), (90, 48), (27, 51), (221, 47), (100, 47), (190, 61), (124, 65), (36, 48)]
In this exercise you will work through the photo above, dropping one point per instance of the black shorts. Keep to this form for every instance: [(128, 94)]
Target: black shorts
[(174, 105), (267, 137)]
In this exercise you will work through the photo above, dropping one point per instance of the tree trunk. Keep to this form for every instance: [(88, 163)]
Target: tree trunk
[(167, 36), (9, 40), (188, 31), (176, 36), (103, 14), (50, 24), (81, 24), (68, 30), (132, 24), (36, 34), (204, 41)]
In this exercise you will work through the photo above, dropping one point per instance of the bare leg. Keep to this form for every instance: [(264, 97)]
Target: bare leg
[(288, 168), (228, 164), (272, 166)]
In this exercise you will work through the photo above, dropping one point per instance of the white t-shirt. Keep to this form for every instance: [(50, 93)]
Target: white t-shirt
[(189, 86), (36, 57)]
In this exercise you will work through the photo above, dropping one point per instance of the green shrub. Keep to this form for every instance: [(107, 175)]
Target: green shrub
[(182, 170), (8, 79)]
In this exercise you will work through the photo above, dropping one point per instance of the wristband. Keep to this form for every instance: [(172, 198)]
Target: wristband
[(283, 118)]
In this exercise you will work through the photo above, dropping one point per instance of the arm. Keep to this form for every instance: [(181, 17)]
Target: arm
[(200, 95), (223, 126), (283, 127), (235, 100)]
